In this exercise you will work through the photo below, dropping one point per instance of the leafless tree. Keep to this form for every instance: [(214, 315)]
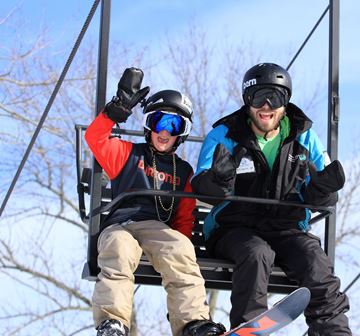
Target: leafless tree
[(52, 298), (44, 202)]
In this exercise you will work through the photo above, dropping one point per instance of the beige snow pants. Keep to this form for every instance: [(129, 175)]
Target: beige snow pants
[(171, 254)]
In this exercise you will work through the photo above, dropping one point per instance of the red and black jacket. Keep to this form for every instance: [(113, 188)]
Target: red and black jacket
[(130, 166)]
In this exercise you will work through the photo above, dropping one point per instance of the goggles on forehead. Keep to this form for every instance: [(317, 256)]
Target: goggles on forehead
[(172, 122), (274, 96)]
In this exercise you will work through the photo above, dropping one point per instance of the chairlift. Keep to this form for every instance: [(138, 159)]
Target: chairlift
[(94, 190)]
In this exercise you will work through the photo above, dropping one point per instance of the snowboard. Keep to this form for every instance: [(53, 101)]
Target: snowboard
[(277, 317)]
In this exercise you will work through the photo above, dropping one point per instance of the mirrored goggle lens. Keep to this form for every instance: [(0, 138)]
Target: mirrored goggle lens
[(274, 97), (173, 123)]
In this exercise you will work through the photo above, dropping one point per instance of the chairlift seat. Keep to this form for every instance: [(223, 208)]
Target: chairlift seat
[(216, 272)]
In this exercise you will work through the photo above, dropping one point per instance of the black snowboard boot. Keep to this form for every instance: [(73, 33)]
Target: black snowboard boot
[(112, 328), (203, 328)]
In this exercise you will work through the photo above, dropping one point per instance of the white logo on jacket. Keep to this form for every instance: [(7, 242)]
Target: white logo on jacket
[(246, 166), (294, 158)]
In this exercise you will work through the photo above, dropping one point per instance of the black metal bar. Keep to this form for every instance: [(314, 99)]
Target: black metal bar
[(169, 193), (319, 217), (145, 274), (78, 148), (307, 38), (351, 283), (103, 56), (333, 114), (79, 170), (95, 201)]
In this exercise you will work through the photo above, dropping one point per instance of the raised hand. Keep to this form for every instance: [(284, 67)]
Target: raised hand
[(127, 96)]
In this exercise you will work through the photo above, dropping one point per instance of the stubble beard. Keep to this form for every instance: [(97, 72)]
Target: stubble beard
[(273, 125)]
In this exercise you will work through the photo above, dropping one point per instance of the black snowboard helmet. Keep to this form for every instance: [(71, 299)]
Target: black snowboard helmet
[(170, 101), (266, 74)]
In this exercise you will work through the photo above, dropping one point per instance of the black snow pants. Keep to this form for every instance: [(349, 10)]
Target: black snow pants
[(301, 257)]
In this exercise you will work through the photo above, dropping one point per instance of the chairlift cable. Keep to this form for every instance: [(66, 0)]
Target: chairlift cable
[(352, 283), (307, 38), (136, 289), (50, 102)]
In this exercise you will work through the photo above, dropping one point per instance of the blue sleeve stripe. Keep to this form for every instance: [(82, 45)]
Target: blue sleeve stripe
[(210, 223), (214, 137), (312, 143)]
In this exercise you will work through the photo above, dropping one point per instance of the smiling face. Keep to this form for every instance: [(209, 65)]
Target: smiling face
[(163, 141), (266, 120)]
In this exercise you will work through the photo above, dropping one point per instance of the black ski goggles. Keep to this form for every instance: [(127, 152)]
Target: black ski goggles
[(274, 96), (172, 122)]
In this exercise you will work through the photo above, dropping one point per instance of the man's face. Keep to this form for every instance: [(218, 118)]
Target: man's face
[(264, 119), (267, 107)]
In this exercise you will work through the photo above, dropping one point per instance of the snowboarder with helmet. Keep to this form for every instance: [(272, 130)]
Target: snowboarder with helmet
[(267, 149), (158, 226)]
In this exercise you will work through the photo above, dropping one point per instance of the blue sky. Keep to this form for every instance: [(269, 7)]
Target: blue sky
[(276, 28)]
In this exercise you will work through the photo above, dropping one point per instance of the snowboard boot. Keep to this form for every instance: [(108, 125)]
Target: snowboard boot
[(203, 328), (112, 328)]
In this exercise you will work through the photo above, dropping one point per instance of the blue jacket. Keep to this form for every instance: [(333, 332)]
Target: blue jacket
[(286, 180)]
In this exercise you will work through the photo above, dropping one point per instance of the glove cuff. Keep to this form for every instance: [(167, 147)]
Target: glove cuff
[(117, 112)]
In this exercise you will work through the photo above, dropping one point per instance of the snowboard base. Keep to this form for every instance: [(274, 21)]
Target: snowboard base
[(281, 314)]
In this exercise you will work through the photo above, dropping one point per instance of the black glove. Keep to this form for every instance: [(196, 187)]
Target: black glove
[(127, 96), (219, 180), (323, 185), (224, 164)]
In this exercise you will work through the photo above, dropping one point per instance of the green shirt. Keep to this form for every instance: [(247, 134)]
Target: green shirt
[(270, 147)]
